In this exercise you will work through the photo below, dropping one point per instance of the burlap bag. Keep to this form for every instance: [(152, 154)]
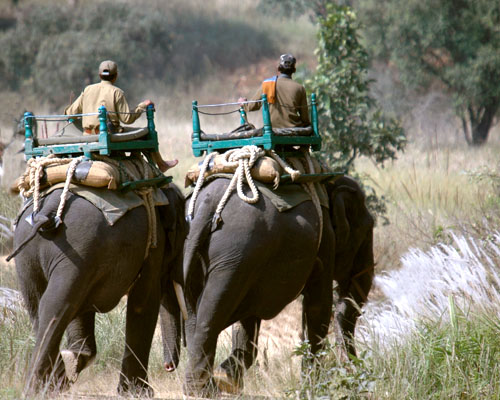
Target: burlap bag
[(265, 170), (100, 174)]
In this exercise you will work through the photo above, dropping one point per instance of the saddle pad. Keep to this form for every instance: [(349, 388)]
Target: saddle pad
[(113, 204), (284, 198)]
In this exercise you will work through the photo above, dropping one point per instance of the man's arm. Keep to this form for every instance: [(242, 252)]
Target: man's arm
[(76, 107), (123, 109), (254, 106)]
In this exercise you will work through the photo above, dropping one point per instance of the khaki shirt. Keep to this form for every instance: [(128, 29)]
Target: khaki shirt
[(290, 108), (107, 95)]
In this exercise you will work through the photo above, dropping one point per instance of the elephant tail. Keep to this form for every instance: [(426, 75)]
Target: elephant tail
[(198, 233), (41, 221)]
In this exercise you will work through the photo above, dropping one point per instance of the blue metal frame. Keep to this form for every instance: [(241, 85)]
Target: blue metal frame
[(268, 140)]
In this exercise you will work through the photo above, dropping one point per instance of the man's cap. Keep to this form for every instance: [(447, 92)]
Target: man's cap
[(107, 68), (287, 61)]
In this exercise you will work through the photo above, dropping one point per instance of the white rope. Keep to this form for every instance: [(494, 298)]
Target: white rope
[(199, 184), (33, 174), (245, 158), (294, 173), (64, 195)]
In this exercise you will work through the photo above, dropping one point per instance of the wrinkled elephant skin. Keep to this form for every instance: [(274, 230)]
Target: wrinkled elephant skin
[(248, 269), (354, 263), (85, 266)]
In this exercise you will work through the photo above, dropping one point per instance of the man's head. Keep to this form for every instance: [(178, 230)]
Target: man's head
[(287, 64), (108, 70)]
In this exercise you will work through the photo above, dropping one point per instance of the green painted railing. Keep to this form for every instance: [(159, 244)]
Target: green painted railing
[(87, 144), (268, 140)]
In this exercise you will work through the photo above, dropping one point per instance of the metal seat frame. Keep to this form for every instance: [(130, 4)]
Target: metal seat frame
[(269, 141), (102, 143)]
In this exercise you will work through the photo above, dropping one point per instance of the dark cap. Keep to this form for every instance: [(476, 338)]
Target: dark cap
[(287, 61), (108, 68)]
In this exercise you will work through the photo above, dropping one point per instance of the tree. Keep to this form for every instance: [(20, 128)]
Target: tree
[(454, 42), (350, 120), (351, 123)]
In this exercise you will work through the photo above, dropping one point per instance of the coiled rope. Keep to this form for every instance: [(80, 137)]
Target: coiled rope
[(244, 159), (34, 172)]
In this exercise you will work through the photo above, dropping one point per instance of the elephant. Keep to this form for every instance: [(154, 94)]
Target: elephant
[(69, 272), (354, 261), (248, 268), (350, 245)]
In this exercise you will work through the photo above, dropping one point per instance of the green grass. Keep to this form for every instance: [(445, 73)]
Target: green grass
[(442, 360)]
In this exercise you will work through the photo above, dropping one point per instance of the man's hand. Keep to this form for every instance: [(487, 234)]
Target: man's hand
[(241, 100), (145, 104)]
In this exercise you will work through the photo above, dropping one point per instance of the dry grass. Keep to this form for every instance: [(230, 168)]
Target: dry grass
[(431, 193)]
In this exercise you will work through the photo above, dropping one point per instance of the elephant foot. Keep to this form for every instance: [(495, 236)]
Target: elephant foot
[(227, 383), (70, 360), (58, 383), (201, 390), (137, 390), (74, 363)]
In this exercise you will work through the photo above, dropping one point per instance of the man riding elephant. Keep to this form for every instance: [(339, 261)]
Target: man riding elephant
[(287, 98), (106, 94)]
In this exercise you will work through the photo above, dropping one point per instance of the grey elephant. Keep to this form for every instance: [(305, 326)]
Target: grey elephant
[(67, 274), (242, 254), (353, 271), (354, 262), (248, 269)]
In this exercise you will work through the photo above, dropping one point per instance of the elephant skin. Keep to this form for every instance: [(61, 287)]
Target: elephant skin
[(67, 274), (247, 269), (354, 262)]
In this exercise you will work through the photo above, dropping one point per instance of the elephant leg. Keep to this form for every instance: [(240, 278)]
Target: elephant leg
[(218, 301), (55, 312), (143, 306), (244, 340), (317, 307), (81, 346), (32, 284), (352, 296), (171, 330)]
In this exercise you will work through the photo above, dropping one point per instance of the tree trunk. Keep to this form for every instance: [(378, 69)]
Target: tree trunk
[(480, 124)]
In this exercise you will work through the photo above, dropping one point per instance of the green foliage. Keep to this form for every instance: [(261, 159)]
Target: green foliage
[(454, 42), (323, 376), (350, 121), (453, 359)]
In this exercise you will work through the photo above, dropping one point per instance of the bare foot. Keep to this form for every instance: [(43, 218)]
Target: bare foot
[(165, 165)]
